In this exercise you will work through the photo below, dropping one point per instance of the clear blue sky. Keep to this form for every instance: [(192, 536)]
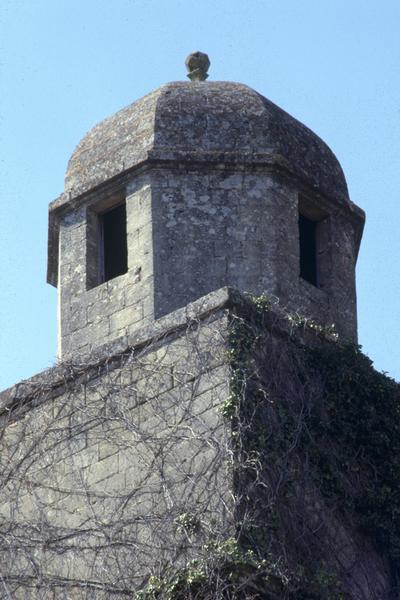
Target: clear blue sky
[(66, 64)]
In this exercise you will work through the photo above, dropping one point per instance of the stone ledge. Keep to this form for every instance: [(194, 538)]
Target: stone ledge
[(52, 382)]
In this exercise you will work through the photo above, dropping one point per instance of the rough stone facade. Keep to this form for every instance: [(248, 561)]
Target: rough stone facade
[(240, 228), (118, 467), (91, 313), (115, 450), (192, 231), (214, 177), (138, 450)]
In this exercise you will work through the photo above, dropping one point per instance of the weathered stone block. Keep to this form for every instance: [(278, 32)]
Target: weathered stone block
[(126, 316)]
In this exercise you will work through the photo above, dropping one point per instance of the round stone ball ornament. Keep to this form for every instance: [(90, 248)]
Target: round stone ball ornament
[(197, 64)]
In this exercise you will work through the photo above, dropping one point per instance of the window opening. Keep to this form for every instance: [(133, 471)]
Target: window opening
[(308, 249), (113, 243)]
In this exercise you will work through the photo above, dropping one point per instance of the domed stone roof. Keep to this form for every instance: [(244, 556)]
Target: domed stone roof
[(219, 122)]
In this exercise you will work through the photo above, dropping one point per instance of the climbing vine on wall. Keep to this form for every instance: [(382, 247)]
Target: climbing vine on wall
[(330, 411), (356, 431), (244, 456)]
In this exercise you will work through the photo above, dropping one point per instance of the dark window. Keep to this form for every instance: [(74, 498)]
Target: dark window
[(113, 243), (308, 249)]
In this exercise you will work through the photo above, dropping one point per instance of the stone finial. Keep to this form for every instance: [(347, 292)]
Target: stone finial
[(197, 63)]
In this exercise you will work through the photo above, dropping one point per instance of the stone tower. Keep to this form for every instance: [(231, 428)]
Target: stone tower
[(197, 186), (204, 435)]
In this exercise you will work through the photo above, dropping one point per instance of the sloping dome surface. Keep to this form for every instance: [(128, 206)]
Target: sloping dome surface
[(219, 119)]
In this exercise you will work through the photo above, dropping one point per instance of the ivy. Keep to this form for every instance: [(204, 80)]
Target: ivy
[(227, 572), (325, 406), (359, 417), (352, 434)]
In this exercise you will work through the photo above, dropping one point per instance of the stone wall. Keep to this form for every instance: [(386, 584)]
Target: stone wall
[(91, 313), (190, 231), (239, 227), (133, 461), (102, 461)]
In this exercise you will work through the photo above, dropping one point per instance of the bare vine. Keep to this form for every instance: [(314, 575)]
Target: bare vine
[(186, 468)]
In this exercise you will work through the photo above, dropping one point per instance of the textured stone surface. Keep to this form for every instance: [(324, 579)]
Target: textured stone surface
[(93, 314), (219, 118), (240, 229), (191, 231), (111, 447), (112, 452), (101, 458), (213, 175)]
